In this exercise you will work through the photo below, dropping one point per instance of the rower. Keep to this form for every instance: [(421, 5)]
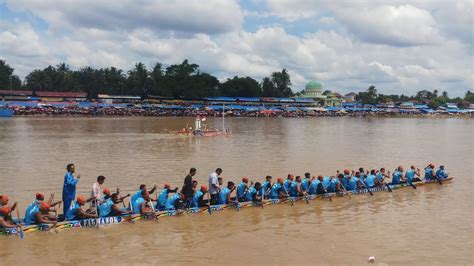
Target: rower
[(242, 188), (174, 202), (138, 194), (370, 179), (40, 215), (39, 199), (267, 185), (6, 220), (347, 177), (277, 190), (163, 196), (332, 184), (141, 204), (109, 208), (288, 181), (293, 188), (440, 174), (339, 184), (429, 172), (410, 175), (106, 194), (297, 187), (353, 182), (397, 176), (252, 193), (314, 185), (76, 212), (198, 198), (325, 181), (381, 175), (224, 195), (4, 202), (306, 182)]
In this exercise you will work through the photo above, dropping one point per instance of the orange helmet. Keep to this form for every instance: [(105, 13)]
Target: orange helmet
[(5, 210), (45, 206)]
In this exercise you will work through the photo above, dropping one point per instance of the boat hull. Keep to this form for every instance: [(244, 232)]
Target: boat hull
[(98, 222)]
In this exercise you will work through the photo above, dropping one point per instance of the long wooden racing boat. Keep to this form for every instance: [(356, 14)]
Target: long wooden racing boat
[(98, 222)]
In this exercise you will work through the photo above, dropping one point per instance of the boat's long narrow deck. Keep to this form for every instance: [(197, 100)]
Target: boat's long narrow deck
[(97, 222)]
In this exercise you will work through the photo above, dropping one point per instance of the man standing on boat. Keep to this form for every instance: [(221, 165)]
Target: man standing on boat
[(214, 185), (97, 193), (187, 189), (69, 187)]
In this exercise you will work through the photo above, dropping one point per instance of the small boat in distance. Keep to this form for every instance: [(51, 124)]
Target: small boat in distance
[(200, 130)]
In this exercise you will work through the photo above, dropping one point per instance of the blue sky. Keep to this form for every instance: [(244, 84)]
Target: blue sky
[(398, 46)]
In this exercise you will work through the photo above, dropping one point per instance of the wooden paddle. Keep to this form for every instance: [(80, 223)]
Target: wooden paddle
[(288, 195), (368, 189), (345, 190), (209, 203), (439, 180), (22, 235)]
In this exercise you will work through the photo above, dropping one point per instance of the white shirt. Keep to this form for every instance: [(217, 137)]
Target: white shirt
[(213, 180), (96, 193)]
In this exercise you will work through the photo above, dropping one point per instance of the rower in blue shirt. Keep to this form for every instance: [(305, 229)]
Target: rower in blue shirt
[(440, 174), (306, 182), (288, 182), (370, 179), (277, 191), (293, 187), (346, 178), (224, 194), (429, 172), (325, 181), (163, 196), (75, 212), (173, 202), (142, 204), (332, 184), (198, 198), (252, 192), (138, 194), (69, 187), (410, 175), (314, 185), (242, 188), (397, 176), (109, 207), (267, 185), (353, 182)]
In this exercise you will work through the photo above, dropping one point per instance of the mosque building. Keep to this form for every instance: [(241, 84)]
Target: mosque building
[(314, 90)]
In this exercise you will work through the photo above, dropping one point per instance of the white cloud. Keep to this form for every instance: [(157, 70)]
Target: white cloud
[(193, 16), (383, 56)]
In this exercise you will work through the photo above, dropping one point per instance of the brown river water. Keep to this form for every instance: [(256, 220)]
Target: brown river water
[(430, 225)]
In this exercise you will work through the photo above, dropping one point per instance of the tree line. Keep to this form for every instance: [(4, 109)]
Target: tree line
[(185, 80), (433, 99), (180, 80)]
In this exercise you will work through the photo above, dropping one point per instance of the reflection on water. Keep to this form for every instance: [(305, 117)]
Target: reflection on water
[(406, 226)]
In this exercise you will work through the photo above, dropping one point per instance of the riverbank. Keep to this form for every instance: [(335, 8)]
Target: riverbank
[(161, 112)]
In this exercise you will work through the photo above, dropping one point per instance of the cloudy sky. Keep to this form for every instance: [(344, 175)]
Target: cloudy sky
[(398, 46)]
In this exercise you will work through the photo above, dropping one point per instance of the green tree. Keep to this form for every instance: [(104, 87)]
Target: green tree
[(138, 81), (267, 87), (469, 97), (368, 97), (245, 87), (281, 84), (7, 79)]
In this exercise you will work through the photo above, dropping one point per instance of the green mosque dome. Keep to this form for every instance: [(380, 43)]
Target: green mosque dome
[(313, 86)]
